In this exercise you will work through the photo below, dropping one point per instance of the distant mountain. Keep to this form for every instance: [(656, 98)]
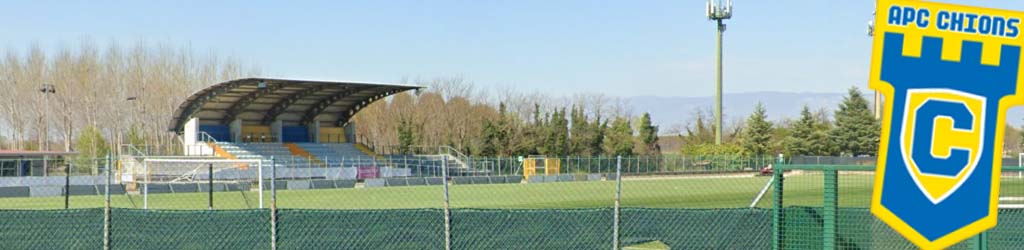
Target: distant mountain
[(670, 112)]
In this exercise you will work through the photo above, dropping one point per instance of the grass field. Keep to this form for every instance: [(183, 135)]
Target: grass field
[(660, 192)]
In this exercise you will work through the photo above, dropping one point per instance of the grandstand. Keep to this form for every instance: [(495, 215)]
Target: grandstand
[(264, 110), (305, 127)]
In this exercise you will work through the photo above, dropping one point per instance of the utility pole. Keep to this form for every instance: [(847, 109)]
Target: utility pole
[(719, 12)]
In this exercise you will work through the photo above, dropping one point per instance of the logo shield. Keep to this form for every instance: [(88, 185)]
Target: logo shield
[(947, 78)]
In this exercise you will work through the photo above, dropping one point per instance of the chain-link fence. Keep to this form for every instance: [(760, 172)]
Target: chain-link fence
[(827, 207), (445, 202)]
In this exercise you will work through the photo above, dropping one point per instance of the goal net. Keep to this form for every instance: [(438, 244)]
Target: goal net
[(201, 183)]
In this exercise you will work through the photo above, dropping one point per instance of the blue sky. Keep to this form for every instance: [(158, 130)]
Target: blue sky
[(619, 48)]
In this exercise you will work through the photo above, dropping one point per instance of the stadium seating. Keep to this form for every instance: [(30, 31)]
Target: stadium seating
[(332, 154), (339, 154), (264, 151)]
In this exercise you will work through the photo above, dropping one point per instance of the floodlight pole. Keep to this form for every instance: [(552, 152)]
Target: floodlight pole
[(718, 12), (878, 96), (718, 85), (47, 89)]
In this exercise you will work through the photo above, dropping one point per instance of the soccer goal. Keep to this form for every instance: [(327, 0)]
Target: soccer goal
[(193, 183), (1011, 195)]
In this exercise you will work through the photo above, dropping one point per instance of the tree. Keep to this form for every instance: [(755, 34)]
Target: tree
[(490, 135), (756, 136), (712, 150), (648, 136), (599, 130), (91, 147), (619, 138), (135, 136), (807, 137), (701, 131), (1011, 140), (856, 131), (406, 135), (579, 131), (503, 129), (558, 129)]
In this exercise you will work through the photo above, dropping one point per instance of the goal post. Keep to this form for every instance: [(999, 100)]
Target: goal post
[(179, 176)]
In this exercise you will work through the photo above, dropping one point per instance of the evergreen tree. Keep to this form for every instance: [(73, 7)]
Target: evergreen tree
[(856, 131), (558, 134), (756, 136), (534, 134), (619, 138), (807, 137), (406, 135), (579, 132), (595, 142), (504, 129), (648, 135), (489, 139)]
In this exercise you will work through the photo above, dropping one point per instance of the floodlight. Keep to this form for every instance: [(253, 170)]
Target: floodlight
[(716, 11)]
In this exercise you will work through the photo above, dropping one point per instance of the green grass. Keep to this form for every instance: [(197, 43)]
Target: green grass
[(689, 192)]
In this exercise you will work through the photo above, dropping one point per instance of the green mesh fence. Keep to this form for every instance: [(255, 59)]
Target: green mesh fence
[(360, 229), (51, 229), (532, 229), (827, 206), (738, 228), (811, 207), (218, 229)]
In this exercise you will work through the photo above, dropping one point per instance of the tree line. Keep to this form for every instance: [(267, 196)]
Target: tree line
[(101, 97), (450, 112), (850, 130)]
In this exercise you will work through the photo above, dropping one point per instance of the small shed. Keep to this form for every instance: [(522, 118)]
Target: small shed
[(15, 163)]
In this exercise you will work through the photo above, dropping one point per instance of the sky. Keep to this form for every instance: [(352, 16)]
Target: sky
[(617, 48)]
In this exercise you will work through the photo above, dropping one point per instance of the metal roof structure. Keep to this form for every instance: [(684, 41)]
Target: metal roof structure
[(26, 153), (264, 100)]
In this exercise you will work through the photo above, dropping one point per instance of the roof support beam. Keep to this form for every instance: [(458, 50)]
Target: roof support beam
[(344, 118), (284, 103), (323, 104), (239, 106), (194, 107)]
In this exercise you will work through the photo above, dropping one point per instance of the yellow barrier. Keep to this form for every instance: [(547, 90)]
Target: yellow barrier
[(366, 150), (552, 166), (218, 151), (299, 151)]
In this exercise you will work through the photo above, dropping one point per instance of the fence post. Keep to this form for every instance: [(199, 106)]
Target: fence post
[(145, 185), (447, 212), (831, 201), (979, 242), (67, 184), (273, 203), (618, 198), (777, 214), (209, 184), (106, 208)]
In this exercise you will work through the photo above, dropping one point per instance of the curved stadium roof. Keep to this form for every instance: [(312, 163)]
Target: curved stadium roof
[(265, 100)]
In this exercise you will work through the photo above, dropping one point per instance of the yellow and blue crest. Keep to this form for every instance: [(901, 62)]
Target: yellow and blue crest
[(948, 74)]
